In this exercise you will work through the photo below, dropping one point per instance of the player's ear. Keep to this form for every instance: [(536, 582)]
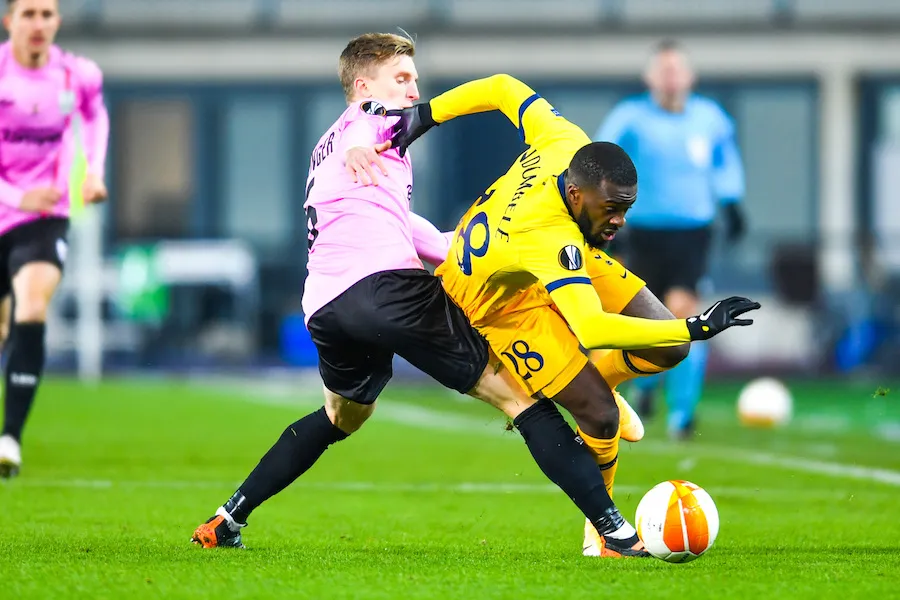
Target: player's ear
[(362, 88), (574, 196), (6, 20)]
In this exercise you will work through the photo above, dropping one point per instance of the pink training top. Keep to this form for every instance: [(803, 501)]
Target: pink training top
[(37, 141), (355, 230), (432, 246)]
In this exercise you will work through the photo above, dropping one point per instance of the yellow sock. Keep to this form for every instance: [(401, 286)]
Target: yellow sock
[(616, 368), (606, 453)]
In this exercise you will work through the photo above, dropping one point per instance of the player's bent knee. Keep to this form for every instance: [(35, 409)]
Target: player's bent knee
[(670, 357), (599, 419), (33, 287), (591, 403), (664, 358), (346, 415), (32, 310), (676, 354)]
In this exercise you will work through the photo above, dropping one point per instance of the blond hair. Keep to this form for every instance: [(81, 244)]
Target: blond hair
[(11, 3), (369, 51)]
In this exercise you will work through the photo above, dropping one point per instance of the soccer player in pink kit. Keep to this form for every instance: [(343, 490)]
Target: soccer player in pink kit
[(42, 89), (368, 297)]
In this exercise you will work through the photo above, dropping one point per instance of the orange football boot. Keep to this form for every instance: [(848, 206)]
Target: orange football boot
[(220, 531)]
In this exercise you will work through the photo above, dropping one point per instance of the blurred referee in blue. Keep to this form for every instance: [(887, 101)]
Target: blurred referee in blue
[(688, 166)]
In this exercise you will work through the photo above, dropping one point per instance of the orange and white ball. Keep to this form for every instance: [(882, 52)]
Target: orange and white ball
[(677, 521)]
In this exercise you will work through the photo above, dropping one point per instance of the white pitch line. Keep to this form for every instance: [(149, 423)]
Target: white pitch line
[(790, 463), (486, 488), (388, 409), (822, 467), (426, 418)]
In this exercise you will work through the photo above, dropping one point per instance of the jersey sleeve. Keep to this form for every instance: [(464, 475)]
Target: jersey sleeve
[(554, 255), (94, 115), (10, 194), (432, 246), (615, 285), (728, 170), (366, 126), (539, 124)]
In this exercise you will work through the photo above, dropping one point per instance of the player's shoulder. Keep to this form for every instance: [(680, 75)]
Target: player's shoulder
[(369, 109), (372, 108), (558, 240), (634, 104), (543, 210), (86, 69), (707, 106)]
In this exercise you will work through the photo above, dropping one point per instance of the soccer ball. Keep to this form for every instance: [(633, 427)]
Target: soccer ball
[(764, 402), (677, 521)]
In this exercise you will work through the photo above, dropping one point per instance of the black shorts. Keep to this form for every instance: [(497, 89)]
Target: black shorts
[(668, 258), (404, 312), (43, 240)]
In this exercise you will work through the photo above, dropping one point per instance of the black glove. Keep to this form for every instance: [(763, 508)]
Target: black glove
[(719, 317), (736, 224), (414, 121)]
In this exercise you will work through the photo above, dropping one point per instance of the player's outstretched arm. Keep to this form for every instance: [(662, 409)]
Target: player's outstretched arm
[(554, 256), (597, 329), (720, 316), (535, 118), (594, 328)]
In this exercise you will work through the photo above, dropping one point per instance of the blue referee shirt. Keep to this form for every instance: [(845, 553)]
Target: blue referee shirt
[(687, 162)]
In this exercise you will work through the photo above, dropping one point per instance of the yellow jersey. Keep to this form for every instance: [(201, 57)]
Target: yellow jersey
[(521, 232)]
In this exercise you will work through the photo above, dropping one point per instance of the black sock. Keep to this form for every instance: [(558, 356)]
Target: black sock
[(565, 460), (298, 448), (23, 374)]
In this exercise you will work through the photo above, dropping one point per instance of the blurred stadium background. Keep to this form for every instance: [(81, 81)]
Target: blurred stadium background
[(198, 260), (196, 265)]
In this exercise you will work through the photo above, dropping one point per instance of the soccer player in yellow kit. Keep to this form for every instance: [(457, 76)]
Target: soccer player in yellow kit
[(519, 271)]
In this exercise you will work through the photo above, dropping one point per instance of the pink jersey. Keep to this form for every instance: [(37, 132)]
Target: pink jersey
[(355, 230), (432, 246), (37, 141)]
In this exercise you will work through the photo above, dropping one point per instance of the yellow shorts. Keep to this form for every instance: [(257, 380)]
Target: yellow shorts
[(537, 347), (536, 344)]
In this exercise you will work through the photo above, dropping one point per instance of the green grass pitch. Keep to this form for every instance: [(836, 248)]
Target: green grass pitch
[(433, 499)]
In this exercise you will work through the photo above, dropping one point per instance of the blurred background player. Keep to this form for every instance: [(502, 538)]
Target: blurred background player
[(683, 146), (42, 89)]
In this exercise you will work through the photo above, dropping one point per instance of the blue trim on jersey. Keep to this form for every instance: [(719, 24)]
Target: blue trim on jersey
[(561, 185), (555, 285), (522, 108)]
